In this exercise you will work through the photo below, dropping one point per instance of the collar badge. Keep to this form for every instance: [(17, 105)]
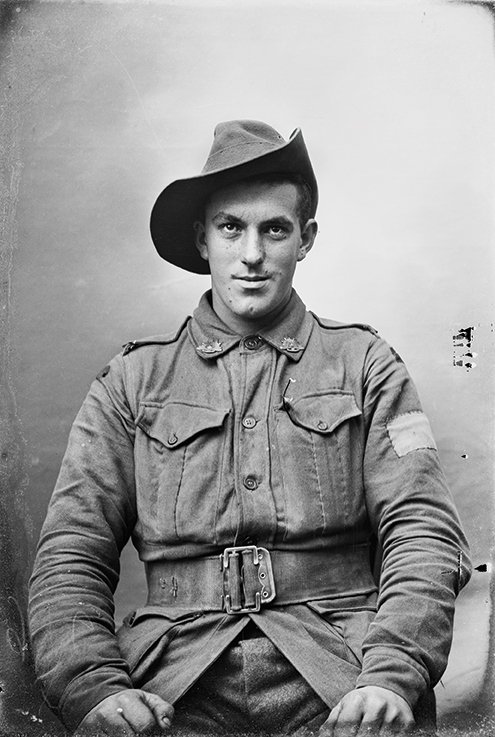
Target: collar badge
[(291, 345), (212, 346)]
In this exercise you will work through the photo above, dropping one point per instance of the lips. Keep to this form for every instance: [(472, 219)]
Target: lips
[(252, 278)]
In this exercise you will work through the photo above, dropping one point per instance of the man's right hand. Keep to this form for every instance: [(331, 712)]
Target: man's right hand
[(127, 713)]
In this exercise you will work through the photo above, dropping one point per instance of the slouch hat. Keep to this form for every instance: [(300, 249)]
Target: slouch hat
[(241, 149)]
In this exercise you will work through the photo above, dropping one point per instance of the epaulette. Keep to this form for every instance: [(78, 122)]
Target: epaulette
[(154, 339), (334, 325)]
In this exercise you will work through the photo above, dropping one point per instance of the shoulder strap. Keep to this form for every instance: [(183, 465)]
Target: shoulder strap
[(334, 325), (155, 339)]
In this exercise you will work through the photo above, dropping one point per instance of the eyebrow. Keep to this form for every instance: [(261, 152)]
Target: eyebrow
[(226, 216), (281, 220), (276, 220)]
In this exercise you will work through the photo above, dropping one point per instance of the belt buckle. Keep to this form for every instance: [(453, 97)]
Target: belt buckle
[(246, 590)]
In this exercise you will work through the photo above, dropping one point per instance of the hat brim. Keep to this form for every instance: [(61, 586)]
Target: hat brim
[(182, 202)]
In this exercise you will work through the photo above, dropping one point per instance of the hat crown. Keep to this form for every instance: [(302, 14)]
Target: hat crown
[(238, 141)]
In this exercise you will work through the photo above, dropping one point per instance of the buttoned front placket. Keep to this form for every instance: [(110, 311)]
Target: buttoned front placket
[(252, 368)]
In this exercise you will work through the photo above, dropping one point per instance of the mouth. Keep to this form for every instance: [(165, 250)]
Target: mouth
[(252, 279), (252, 283)]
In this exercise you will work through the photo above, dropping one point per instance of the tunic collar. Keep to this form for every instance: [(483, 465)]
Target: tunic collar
[(289, 334)]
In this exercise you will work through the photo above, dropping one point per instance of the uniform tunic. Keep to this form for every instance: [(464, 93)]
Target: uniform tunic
[(307, 437)]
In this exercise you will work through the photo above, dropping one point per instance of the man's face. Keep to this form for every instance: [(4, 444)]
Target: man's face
[(252, 240)]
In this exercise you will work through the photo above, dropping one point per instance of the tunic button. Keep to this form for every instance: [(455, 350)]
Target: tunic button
[(252, 343), (249, 422), (322, 425), (250, 483), (172, 439)]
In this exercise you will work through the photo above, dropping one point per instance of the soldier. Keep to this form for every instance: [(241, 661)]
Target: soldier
[(280, 482)]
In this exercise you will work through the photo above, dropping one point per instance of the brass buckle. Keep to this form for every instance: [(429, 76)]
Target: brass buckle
[(233, 562)]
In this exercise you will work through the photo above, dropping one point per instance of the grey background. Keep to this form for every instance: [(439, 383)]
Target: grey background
[(103, 103)]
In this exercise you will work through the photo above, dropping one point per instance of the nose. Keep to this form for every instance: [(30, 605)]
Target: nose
[(252, 250)]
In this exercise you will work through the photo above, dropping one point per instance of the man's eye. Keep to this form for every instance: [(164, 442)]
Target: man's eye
[(229, 228), (277, 231)]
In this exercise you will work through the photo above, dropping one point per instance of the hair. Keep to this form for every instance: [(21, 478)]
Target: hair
[(304, 191)]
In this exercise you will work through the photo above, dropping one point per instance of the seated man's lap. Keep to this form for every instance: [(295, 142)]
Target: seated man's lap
[(252, 689)]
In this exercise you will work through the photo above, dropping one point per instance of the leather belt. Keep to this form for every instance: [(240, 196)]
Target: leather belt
[(244, 578)]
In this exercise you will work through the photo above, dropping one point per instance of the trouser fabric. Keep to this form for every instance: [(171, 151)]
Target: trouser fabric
[(252, 689)]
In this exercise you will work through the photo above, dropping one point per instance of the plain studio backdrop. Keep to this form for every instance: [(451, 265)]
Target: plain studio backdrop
[(107, 102)]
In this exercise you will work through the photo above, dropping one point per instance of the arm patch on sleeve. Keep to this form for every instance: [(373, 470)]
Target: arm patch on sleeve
[(410, 431)]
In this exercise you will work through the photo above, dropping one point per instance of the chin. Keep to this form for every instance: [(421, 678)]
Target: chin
[(254, 311)]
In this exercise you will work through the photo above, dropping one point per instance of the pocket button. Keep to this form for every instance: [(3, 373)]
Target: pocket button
[(250, 483), (249, 422)]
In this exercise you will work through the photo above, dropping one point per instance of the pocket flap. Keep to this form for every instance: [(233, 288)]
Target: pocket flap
[(357, 602), (147, 628), (323, 412), (158, 612), (175, 423)]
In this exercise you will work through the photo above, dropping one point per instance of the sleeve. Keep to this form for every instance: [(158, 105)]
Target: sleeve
[(424, 551), (90, 518)]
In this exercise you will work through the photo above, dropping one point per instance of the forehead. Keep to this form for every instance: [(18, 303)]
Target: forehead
[(263, 197)]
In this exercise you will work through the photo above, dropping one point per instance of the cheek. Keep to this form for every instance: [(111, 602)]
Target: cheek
[(220, 266), (221, 256), (286, 265)]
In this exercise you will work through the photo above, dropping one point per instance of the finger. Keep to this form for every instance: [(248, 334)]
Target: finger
[(135, 713), (349, 717), (120, 726), (373, 720), (342, 722), (108, 723), (395, 724), (370, 728), (398, 719), (326, 729), (162, 710), (407, 725), (346, 728)]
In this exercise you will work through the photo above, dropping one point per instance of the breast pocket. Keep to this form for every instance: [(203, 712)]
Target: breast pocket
[(319, 439), (179, 461)]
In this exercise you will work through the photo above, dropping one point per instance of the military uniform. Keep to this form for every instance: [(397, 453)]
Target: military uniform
[(305, 444)]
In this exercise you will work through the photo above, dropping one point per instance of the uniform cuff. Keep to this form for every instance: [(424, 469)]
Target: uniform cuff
[(86, 691), (396, 671)]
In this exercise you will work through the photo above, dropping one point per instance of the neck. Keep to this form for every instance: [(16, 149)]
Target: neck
[(243, 324)]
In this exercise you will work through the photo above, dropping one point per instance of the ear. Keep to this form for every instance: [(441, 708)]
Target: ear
[(308, 235), (201, 245)]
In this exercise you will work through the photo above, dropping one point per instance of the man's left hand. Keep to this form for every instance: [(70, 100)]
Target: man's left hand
[(366, 711)]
